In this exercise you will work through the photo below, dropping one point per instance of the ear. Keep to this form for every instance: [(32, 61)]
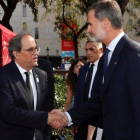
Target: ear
[(101, 49), (106, 23), (73, 71), (16, 54)]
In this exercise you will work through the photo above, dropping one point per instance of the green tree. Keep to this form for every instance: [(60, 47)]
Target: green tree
[(68, 12), (133, 10), (72, 12), (10, 5)]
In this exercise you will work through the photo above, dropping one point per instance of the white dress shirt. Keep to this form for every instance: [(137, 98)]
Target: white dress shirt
[(113, 45), (22, 71), (93, 76)]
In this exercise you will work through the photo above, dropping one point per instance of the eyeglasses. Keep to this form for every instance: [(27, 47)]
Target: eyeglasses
[(32, 50)]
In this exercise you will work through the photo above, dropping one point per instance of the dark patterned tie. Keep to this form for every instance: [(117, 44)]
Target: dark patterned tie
[(29, 88), (105, 61), (88, 82)]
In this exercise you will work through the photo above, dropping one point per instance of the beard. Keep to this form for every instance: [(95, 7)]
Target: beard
[(99, 35)]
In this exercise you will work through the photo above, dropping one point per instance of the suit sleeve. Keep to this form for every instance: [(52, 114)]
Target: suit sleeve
[(14, 115), (85, 111), (133, 78)]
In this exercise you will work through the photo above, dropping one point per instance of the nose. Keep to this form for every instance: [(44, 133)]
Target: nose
[(36, 52), (87, 52), (88, 29)]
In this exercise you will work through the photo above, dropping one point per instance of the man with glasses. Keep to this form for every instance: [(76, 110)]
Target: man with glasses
[(23, 93)]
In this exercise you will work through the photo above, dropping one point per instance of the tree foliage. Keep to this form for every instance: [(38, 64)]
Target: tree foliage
[(68, 12), (133, 9), (10, 5), (72, 12), (60, 99)]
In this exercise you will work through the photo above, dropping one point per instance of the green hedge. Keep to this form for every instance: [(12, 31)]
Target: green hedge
[(60, 99)]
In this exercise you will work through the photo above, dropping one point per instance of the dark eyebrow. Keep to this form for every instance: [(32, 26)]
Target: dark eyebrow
[(88, 23), (92, 48), (31, 48)]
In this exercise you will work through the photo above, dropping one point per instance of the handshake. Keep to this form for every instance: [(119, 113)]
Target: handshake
[(57, 119)]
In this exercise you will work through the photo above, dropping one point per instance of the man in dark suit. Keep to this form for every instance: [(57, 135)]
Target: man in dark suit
[(23, 93), (46, 66), (93, 53), (117, 93)]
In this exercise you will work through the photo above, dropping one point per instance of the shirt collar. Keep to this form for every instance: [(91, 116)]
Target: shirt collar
[(95, 63), (113, 44), (22, 71)]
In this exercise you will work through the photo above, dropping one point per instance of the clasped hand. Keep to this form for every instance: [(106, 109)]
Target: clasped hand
[(57, 119)]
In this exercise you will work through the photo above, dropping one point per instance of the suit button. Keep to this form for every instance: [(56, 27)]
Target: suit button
[(11, 107)]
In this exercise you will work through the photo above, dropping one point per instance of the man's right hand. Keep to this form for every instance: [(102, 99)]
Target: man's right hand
[(57, 119)]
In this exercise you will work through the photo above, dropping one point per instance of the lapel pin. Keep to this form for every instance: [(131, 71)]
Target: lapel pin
[(37, 79), (115, 63)]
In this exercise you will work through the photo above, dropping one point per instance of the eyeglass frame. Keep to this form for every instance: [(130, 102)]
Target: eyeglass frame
[(32, 49)]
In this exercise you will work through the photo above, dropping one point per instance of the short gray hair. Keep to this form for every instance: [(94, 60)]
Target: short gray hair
[(96, 44), (15, 43), (108, 9)]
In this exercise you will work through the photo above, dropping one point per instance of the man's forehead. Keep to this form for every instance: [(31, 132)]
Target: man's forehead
[(27, 38), (90, 47), (90, 15)]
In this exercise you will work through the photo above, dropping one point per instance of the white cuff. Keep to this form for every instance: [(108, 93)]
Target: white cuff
[(69, 118)]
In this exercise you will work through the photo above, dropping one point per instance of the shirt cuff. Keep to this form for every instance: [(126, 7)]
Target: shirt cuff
[(69, 118)]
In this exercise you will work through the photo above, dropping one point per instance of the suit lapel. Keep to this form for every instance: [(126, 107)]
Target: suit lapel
[(17, 75), (36, 79), (84, 72), (113, 63), (93, 84)]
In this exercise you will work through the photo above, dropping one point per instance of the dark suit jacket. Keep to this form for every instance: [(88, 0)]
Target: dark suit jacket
[(17, 120), (79, 98), (118, 99), (47, 67)]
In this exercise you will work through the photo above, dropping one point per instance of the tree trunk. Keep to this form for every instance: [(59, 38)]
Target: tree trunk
[(75, 42), (8, 11), (6, 21), (122, 4)]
